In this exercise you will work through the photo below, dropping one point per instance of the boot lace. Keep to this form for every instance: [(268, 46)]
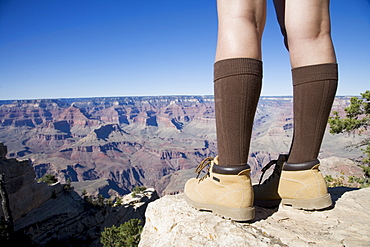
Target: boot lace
[(265, 168), (201, 166)]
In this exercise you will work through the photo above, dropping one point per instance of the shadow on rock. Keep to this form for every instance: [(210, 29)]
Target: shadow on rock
[(337, 192), (263, 213)]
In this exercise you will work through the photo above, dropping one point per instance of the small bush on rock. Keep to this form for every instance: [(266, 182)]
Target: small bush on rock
[(356, 121), (127, 234), (138, 189), (48, 178)]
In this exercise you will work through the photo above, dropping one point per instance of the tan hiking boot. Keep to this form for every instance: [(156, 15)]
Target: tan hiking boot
[(226, 191), (301, 186)]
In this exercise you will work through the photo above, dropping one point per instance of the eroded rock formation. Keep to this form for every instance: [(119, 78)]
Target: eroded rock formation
[(23, 191), (70, 221)]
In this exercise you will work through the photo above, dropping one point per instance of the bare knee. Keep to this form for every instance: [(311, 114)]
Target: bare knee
[(307, 37), (310, 46), (240, 17), (307, 25), (238, 37), (240, 27)]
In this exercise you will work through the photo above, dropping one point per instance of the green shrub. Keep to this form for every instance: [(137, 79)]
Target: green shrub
[(48, 178), (329, 179), (118, 201), (356, 121), (68, 187), (137, 189), (351, 181), (360, 182), (127, 234), (334, 182)]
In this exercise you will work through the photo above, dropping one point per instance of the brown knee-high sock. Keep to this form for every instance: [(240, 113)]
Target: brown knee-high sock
[(237, 88), (314, 89)]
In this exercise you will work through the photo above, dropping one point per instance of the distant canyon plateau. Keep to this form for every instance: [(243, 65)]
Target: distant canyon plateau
[(110, 145)]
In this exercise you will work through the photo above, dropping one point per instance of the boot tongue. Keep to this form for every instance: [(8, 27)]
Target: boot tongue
[(215, 160), (265, 168), (277, 169)]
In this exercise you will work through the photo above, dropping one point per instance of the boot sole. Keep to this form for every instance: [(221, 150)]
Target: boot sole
[(309, 204), (237, 214)]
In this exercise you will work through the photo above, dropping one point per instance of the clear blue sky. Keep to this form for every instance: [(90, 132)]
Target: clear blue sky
[(101, 48)]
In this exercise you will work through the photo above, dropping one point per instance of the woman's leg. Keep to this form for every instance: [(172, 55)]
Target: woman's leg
[(297, 181), (226, 190), (314, 71), (237, 76)]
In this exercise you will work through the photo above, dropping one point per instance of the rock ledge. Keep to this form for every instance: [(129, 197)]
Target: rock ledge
[(171, 222)]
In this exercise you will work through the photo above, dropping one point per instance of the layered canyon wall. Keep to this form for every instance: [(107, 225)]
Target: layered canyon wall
[(132, 141)]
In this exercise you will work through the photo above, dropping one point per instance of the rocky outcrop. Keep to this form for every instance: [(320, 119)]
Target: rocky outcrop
[(57, 214), (71, 221), (23, 191), (171, 222)]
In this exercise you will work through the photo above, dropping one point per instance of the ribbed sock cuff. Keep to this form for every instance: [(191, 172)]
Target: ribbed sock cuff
[(237, 66), (317, 72)]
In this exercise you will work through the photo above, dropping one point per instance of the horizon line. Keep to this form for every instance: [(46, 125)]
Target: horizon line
[(142, 96)]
